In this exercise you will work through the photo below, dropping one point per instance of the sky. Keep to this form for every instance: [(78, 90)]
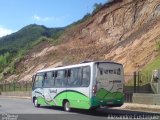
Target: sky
[(15, 14)]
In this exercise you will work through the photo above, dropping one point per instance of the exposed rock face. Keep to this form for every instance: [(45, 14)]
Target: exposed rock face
[(124, 32)]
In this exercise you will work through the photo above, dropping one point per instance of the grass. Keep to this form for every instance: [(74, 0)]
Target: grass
[(149, 68), (155, 64)]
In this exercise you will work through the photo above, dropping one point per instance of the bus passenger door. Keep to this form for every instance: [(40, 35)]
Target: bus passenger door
[(37, 89), (58, 91)]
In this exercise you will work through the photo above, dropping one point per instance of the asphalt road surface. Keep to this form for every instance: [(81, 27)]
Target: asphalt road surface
[(23, 109)]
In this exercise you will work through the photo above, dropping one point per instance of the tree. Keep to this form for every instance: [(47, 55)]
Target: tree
[(96, 7)]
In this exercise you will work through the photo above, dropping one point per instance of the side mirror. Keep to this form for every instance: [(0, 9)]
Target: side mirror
[(33, 78)]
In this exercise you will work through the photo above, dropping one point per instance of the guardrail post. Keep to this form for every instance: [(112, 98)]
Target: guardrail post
[(20, 86), (9, 87), (2, 87), (138, 81), (5, 86), (135, 82), (26, 86), (14, 86)]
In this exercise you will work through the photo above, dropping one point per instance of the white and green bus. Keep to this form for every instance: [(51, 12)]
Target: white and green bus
[(87, 85)]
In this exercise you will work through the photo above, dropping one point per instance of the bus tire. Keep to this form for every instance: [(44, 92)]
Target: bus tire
[(36, 103), (66, 106), (93, 109)]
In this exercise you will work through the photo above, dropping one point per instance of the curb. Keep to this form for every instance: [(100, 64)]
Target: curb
[(141, 107), (18, 97)]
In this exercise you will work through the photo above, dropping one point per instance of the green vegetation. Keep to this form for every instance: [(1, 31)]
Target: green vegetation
[(97, 7), (4, 60), (155, 64), (24, 38)]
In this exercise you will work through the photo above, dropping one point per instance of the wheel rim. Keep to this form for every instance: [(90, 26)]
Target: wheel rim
[(67, 106)]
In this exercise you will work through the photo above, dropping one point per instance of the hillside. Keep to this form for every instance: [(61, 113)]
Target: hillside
[(25, 37), (125, 31), (13, 47)]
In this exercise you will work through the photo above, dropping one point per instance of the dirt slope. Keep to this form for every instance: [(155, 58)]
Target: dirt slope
[(126, 31)]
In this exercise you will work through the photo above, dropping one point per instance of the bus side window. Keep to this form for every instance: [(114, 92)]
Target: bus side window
[(65, 78), (118, 71), (74, 76), (60, 78), (48, 79), (85, 76), (53, 77), (38, 81)]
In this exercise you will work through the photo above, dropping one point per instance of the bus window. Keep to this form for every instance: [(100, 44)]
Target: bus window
[(38, 81), (60, 78), (85, 76), (74, 76), (118, 71), (48, 79), (115, 71)]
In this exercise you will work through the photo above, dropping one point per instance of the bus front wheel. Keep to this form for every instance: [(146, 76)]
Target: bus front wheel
[(36, 103), (67, 106)]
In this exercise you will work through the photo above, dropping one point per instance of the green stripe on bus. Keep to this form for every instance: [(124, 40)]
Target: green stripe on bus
[(70, 91), (42, 101)]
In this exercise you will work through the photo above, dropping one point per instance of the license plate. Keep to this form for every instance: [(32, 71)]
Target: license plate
[(110, 102)]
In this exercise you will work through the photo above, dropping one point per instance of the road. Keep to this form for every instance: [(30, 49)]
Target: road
[(23, 109)]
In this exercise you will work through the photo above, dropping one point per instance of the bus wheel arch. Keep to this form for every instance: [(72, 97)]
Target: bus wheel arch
[(66, 105), (93, 109), (35, 101)]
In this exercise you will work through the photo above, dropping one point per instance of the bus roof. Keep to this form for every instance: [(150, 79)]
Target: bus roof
[(85, 63)]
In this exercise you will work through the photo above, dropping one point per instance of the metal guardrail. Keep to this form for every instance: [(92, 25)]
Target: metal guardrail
[(128, 97), (15, 86)]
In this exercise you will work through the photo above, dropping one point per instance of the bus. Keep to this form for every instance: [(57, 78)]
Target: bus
[(88, 85)]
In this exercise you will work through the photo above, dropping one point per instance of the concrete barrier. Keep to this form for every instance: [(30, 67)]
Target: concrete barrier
[(17, 93), (145, 98)]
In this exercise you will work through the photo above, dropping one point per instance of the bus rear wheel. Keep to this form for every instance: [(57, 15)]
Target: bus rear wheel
[(93, 109), (36, 103), (67, 106)]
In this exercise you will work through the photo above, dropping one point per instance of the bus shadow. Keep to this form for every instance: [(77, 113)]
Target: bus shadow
[(104, 112), (53, 108)]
